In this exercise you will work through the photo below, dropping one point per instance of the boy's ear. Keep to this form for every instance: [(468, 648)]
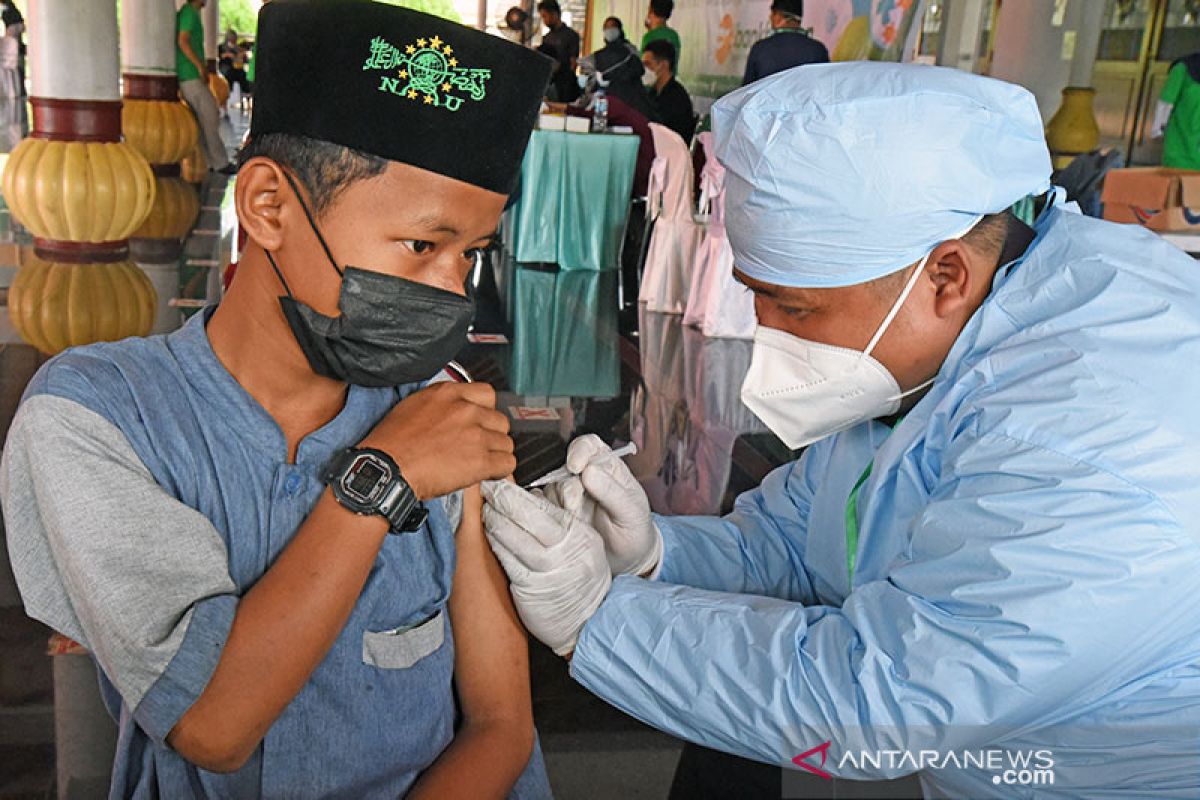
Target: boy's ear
[(259, 199)]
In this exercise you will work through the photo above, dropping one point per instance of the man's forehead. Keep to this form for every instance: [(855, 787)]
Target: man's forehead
[(448, 205)]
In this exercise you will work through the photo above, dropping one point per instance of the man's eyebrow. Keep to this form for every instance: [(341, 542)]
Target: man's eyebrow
[(435, 225), (776, 293), (767, 291)]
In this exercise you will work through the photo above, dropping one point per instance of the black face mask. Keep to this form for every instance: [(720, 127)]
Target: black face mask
[(391, 330)]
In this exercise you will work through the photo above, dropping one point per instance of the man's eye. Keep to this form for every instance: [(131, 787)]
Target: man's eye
[(795, 312), (418, 246)]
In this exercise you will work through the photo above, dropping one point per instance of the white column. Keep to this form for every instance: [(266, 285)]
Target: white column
[(1090, 22), (165, 278), (148, 37), (1044, 52), (961, 30), (212, 29), (73, 49)]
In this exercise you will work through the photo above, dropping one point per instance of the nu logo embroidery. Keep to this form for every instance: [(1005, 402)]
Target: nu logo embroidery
[(426, 69)]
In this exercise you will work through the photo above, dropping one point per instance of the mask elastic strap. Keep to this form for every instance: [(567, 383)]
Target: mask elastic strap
[(908, 287), (915, 389), (279, 274), (896, 306), (312, 223)]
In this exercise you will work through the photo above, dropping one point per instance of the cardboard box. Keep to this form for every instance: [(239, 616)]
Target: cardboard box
[(552, 122), (1160, 199)]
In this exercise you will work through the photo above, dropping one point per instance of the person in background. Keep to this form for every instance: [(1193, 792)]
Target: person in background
[(614, 35), (14, 25), (667, 96), (562, 85), (1177, 117), (788, 45), (191, 71), (657, 28), (10, 59), (233, 62), (565, 42), (617, 69)]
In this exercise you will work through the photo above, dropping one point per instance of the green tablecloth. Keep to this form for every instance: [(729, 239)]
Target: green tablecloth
[(564, 332), (574, 200)]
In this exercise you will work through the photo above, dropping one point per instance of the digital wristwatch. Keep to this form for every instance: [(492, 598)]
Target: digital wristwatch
[(368, 482)]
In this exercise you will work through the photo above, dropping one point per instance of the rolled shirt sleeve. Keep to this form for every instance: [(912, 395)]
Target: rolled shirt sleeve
[(104, 555), (1034, 583)]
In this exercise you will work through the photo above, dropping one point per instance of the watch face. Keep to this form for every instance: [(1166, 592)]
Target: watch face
[(366, 479)]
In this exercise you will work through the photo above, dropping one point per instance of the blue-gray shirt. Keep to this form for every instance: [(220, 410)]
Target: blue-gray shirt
[(144, 492)]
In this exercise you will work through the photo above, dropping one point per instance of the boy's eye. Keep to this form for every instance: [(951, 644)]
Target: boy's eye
[(418, 246)]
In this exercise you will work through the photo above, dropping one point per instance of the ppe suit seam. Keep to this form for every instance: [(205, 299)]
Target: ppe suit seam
[(1083, 462)]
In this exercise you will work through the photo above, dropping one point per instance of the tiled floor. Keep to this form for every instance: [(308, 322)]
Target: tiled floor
[(678, 400)]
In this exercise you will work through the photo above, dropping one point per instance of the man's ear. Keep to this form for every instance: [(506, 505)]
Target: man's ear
[(259, 200), (950, 268)]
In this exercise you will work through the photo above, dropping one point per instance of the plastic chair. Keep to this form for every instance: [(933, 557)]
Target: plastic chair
[(673, 242), (718, 304)]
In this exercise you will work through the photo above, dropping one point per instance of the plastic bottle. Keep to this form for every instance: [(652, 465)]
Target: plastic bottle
[(600, 112)]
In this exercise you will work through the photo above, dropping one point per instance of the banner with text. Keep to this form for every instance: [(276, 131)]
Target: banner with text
[(716, 35)]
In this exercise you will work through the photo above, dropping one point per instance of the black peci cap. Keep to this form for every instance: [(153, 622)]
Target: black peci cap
[(793, 7), (399, 84)]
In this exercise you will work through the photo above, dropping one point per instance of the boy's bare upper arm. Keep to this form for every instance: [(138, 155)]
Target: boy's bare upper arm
[(491, 666)]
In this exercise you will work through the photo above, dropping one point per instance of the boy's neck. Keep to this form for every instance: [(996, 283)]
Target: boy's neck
[(252, 340)]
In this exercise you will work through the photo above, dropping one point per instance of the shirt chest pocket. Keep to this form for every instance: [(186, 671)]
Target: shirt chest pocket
[(401, 648)]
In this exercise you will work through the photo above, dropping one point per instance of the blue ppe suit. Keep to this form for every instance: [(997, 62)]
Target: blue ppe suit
[(1027, 574)]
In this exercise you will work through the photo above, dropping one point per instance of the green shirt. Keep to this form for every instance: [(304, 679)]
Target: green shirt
[(1181, 141), (188, 19), (666, 33)]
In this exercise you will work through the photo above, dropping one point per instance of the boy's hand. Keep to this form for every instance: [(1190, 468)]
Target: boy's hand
[(446, 437)]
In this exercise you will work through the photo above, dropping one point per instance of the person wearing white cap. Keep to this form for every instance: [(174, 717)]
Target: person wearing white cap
[(985, 567)]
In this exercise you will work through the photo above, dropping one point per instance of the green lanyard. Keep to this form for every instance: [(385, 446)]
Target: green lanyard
[(852, 523), (852, 515)]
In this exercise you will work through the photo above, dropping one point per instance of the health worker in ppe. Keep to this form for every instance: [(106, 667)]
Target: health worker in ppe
[(992, 539)]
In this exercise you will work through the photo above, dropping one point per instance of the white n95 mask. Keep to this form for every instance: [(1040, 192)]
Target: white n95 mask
[(804, 391)]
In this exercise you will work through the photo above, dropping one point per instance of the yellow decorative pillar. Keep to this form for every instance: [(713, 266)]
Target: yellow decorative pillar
[(74, 184), (159, 126), (59, 304), (219, 88), (1073, 129), (194, 167), (162, 130)]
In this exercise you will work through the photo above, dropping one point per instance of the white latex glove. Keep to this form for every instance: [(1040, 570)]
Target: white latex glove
[(615, 504), (555, 562)]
